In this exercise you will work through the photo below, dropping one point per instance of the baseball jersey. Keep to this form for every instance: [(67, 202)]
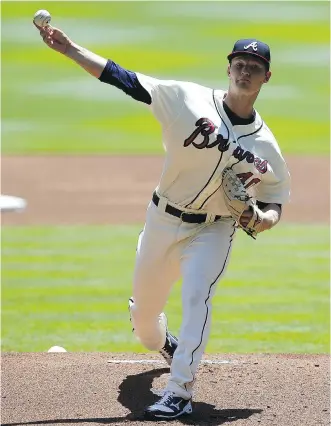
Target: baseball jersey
[(200, 141)]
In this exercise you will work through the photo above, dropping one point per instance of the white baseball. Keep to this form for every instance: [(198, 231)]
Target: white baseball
[(42, 18), (56, 349)]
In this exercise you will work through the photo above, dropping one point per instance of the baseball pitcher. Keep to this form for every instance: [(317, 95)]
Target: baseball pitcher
[(223, 172)]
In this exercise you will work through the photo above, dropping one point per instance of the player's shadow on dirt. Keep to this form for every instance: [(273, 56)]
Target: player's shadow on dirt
[(135, 394), (136, 389)]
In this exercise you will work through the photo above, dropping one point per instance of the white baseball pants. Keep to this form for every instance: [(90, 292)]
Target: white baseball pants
[(167, 249)]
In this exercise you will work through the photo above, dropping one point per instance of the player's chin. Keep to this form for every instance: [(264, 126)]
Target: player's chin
[(244, 84), (246, 88)]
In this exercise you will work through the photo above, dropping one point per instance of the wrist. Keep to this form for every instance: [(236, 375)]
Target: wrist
[(71, 50)]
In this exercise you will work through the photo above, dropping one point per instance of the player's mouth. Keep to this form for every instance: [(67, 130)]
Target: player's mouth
[(244, 79)]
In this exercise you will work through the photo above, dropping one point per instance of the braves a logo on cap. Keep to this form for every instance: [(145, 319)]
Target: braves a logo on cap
[(253, 45)]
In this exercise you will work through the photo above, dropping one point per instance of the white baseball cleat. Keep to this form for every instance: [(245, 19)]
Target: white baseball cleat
[(170, 406)]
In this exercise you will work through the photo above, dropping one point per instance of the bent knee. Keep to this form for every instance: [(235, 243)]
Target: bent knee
[(148, 329)]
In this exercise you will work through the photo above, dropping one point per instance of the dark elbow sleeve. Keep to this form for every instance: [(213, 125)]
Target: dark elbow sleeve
[(125, 80)]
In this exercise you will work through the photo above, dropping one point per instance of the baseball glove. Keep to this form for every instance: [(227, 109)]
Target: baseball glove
[(238, 200)]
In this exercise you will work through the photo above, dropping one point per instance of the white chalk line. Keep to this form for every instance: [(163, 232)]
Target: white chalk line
[(156, 361)]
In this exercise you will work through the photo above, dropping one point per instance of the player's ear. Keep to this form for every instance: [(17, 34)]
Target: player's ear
[(267, 77), (228, 70)]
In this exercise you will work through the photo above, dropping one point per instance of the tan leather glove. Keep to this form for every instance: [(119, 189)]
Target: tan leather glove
[(238, 200)]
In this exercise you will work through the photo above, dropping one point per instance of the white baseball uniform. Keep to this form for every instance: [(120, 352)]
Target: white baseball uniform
[(200, 142)]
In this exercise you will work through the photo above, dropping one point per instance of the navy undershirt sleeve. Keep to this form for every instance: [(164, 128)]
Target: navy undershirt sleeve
[(125, 80)]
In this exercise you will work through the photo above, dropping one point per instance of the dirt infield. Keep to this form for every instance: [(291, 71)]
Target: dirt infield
[(101, 189), (85, 389)]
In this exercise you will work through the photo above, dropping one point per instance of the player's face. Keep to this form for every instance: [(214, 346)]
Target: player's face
[(248, 74)]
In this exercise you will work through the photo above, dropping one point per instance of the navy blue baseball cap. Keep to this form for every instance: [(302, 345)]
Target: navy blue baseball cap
[(251, 46)]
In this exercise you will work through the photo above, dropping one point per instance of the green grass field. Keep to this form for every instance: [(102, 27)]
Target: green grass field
[(49, 105), (69, 287)]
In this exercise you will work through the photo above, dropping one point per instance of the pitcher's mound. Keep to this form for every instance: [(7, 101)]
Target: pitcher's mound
[(102, 388)]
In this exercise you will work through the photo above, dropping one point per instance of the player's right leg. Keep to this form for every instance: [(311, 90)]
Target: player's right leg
[(157, 268)]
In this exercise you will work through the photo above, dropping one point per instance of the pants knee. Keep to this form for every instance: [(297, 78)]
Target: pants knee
[(148, 328)]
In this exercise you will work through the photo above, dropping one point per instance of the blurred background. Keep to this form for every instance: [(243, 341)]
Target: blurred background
[(86, 158)]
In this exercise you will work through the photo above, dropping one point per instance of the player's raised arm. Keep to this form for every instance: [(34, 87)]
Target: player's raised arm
[(161, 95), (57, 40), (104, 69), (91, 62)]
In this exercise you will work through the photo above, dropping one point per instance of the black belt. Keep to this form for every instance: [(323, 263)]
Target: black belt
[(185, 217)]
